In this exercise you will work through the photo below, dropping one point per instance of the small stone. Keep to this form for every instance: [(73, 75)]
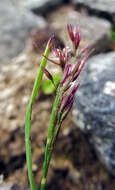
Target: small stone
[(1, 179), (74, 176), (5, 186), (66, 132), (34, 167), (14, 125), (10, 108), (25, 99)]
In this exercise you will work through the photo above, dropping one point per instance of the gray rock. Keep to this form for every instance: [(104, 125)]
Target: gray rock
[(42, 7), (103, 8), (94, 111), (16, 24), (8, 186), (5, 187)]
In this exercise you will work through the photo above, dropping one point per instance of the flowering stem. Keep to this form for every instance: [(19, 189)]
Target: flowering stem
[(50, 142), (65, 95), (28, 118)]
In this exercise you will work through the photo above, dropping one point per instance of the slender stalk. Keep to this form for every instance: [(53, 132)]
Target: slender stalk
[(28, 118), (49, 147)]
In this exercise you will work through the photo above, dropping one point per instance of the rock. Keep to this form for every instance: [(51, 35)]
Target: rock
[(102, 8), (94, 31), (16, 23), (5, 187), (94, 111), (8, 186), (42, 7)]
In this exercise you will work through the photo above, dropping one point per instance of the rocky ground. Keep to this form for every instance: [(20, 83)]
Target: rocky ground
[(84, 155)]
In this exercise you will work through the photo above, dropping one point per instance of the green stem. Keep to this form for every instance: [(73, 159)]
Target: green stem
[(40, 75), (49, 149), (28, 119), (28, 147)]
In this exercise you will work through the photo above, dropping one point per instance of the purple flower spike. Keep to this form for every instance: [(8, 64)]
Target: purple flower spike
[(78, 65), (67, 101), (56, 52), (62, 55), (65, 76), (67, 51), (70, 106), (75, 74), (67, 73), (70, 31), (70, 66), (68, 109), (77, 38), (74, 36), (83, 64), (74, 88)]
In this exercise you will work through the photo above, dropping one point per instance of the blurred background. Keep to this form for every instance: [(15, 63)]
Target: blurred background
[(84, 156)]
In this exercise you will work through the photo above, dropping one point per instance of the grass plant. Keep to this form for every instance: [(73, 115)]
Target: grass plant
[(72, 63)]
